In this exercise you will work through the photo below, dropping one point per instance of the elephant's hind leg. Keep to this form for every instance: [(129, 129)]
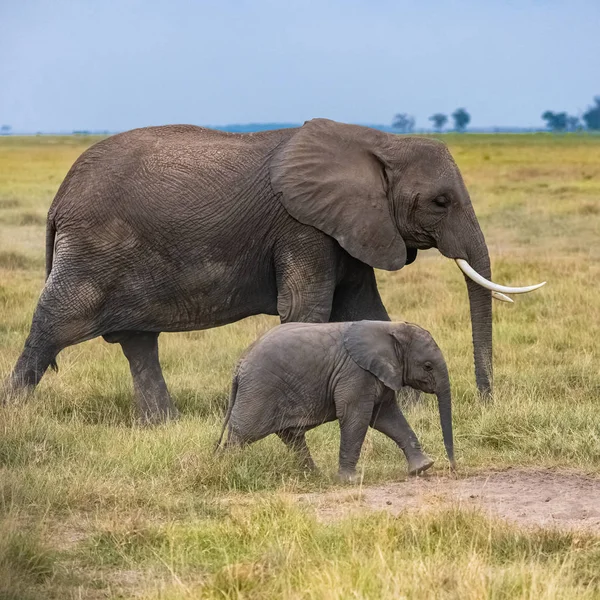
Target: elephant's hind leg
[(40, 351), (152, 396), (234, 440), (61, 319), (295, 440)]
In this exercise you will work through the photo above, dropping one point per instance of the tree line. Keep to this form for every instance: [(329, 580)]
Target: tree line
[(405, 123), (555, 121), (561, 121)]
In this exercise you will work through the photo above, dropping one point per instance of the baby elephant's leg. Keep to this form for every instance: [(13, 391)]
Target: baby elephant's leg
[(295, 440), (388, 418), (234, 440), (354, 424)]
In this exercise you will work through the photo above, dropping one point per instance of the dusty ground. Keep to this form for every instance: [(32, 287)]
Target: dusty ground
[(527, 497)]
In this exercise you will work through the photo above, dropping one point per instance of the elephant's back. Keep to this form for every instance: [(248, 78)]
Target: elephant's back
[(188, 141), (302, 349), (159, 169)]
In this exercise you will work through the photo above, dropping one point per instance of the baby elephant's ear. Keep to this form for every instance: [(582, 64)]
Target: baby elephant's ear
[(373, 346)]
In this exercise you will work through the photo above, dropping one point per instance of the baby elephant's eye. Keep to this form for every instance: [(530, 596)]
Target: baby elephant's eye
[(442, 201), (428, 366)]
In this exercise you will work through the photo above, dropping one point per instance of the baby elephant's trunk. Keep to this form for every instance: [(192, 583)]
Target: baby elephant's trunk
[(445, 407)]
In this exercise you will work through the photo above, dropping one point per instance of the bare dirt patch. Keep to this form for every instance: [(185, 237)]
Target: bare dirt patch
[(527, 497)]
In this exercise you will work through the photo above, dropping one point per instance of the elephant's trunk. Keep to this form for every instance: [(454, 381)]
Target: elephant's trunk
[(480, 300), (445, 407)]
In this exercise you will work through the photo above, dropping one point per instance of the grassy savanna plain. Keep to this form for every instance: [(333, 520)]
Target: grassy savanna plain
[(93, 506)]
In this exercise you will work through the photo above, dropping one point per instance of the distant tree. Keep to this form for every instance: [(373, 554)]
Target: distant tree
[(573, 123), (403, 123), (548, 116), (5, 129), (439, 120), (592, 116), (556, 121), (461, 119)]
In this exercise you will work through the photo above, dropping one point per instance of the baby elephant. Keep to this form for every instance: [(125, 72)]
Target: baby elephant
[(300, 375)]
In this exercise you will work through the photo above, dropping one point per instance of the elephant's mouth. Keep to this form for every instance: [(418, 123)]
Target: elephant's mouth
[(498, 291)]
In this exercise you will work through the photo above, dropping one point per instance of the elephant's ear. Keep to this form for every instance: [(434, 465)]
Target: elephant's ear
[(377, 347), (329, 177)]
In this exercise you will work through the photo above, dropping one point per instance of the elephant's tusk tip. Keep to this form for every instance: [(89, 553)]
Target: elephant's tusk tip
[(502, 297)]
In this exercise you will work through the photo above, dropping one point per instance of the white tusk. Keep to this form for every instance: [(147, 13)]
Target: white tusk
[(471, 273), (501, 297)]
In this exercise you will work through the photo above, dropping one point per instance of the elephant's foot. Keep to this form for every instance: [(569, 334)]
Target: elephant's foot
[(308, 465), (485, 395), (28, 371), (13, 390), (156, 411), (347, 476), (418, 463)]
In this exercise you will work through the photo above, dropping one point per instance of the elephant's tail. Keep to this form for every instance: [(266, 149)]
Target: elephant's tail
[(50, 238), (232, 396)]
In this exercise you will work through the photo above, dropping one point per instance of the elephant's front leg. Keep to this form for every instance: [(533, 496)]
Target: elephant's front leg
[(305, 271), (356, 295), (388, 418)]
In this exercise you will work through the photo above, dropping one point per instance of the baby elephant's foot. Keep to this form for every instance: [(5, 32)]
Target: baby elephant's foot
[(419, 463), (308, 464)]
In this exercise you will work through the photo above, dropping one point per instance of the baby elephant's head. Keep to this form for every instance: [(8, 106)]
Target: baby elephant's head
[(403, 354), (424, 365)]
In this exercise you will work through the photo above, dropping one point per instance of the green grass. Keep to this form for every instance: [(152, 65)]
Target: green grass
[(25, 562), (247, 553), (91, 506)]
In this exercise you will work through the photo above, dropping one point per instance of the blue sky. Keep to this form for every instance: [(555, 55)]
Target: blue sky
[(108, 64)]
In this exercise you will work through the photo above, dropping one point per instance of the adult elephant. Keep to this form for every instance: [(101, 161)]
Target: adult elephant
[(178, 228)]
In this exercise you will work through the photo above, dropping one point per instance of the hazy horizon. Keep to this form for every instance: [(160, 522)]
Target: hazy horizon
[(113, 66)]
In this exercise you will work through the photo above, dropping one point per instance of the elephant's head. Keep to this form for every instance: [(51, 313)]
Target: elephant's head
[(401, 354), (383, 197)]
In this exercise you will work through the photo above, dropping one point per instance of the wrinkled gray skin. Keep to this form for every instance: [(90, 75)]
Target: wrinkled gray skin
[(179, 228), (301, 375)]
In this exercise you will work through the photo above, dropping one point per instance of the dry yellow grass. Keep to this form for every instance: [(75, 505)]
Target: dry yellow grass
[(91, 506)]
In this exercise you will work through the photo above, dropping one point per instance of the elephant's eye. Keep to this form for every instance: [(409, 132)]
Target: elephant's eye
[(428, 366), (442, 201)]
